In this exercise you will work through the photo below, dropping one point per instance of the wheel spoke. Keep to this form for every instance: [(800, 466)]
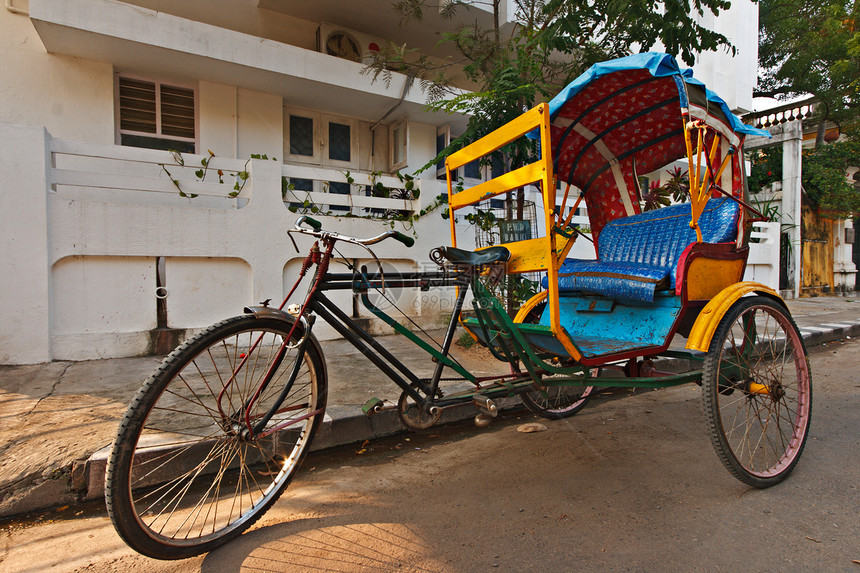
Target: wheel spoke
[(193, 477), (756, 395)]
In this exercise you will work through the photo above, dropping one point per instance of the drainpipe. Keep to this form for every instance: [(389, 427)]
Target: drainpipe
[(163, 339), (406, 85)]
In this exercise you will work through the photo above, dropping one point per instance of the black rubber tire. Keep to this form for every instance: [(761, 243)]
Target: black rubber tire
[(557, 402), (554, 402), (178, 440), (757, 391)]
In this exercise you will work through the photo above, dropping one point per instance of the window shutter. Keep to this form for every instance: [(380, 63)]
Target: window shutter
[(155, 115), (177, 111), (137, 106)]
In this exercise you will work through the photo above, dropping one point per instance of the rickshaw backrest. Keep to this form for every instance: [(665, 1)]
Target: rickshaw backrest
[(657, 238), (639, 254)]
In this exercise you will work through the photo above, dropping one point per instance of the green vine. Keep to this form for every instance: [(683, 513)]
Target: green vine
[(241, 177), (390, 217)]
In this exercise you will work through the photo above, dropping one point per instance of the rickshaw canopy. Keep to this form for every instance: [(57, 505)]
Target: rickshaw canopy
[(628, 117)]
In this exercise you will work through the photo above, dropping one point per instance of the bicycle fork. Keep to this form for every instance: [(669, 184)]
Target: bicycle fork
[(244, 413)]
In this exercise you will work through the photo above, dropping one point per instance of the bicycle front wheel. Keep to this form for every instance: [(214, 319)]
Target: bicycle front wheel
[(185, 474), (757, 392)]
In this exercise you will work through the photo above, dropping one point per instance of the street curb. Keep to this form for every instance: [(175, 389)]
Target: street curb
[(345, 425), (816, 335)]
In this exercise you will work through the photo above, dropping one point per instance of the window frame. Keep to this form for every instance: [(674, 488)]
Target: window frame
[(320, 143), (119, 132), (315, 117), (483, 170), (482, 175), (445, 131), (404, 162), (328, 119)]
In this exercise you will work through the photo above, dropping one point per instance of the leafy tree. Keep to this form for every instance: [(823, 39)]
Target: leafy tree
[(813, 47), (824, 177), (506, 72), (551, 42)]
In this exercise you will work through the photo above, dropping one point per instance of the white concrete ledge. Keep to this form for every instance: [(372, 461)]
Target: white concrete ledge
[(143, 40)]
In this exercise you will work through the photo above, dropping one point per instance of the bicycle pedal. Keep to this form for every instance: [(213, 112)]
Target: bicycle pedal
[(486, 404), (372, 406)]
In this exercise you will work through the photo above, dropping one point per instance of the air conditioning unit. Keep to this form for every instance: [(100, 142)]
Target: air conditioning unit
[(347, 44)]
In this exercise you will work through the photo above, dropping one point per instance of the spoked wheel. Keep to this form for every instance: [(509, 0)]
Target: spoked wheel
[(757, 391), (557, 402), (185, 474), (552, 402)]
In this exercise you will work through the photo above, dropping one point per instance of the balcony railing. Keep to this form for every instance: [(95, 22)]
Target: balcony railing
[(111, 173), (800, 110), (312, 189)]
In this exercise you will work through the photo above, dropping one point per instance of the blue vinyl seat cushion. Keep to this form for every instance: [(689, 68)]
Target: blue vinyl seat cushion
[(632, 281), (638, 255)]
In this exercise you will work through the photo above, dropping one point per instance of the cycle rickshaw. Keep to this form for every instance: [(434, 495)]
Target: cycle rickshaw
[(217, 433)]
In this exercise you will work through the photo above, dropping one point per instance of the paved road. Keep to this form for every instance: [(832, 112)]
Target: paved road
[(629, 484)]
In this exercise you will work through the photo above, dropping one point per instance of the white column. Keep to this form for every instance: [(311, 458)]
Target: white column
[(791, 195), (265, 244), (25, 287), (844, 269)]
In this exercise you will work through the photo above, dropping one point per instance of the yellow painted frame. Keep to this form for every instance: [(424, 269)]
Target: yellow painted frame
[(543, 253), (700, 175), (707, 277), (710, 316)]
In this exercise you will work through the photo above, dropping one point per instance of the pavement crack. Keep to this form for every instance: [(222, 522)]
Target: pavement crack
[(53, 389)]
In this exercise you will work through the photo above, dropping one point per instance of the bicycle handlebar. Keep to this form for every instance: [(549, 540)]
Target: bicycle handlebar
[(316, 231), (312, 222), (405, 239)]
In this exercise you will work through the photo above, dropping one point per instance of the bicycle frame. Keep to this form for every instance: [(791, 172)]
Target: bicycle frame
[(425, 392), (513, 347)]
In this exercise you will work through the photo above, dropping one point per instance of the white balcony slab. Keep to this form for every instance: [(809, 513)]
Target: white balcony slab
[(147, 41)]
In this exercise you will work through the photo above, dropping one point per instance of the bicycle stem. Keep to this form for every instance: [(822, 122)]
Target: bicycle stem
[(306, 264), (449, 338), (322, 262)]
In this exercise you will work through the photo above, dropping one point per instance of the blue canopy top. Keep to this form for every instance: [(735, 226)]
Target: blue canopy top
[(628, 117), (660, 65)]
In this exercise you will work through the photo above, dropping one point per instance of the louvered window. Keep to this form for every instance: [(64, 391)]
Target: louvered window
[(156, 115)]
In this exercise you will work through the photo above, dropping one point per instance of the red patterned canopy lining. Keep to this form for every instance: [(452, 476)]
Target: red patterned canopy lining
[(630, 119)]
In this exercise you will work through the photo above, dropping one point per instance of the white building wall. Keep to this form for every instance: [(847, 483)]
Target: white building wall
[(88, 222), (218, 118), (247, 18), (736, 75), (25, 279), (260, 124), (78, 257), (72, 98)]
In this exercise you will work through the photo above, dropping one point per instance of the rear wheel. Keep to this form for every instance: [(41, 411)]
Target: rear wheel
[(557, 402), (552, 402), (185, 474), (757, 391)]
